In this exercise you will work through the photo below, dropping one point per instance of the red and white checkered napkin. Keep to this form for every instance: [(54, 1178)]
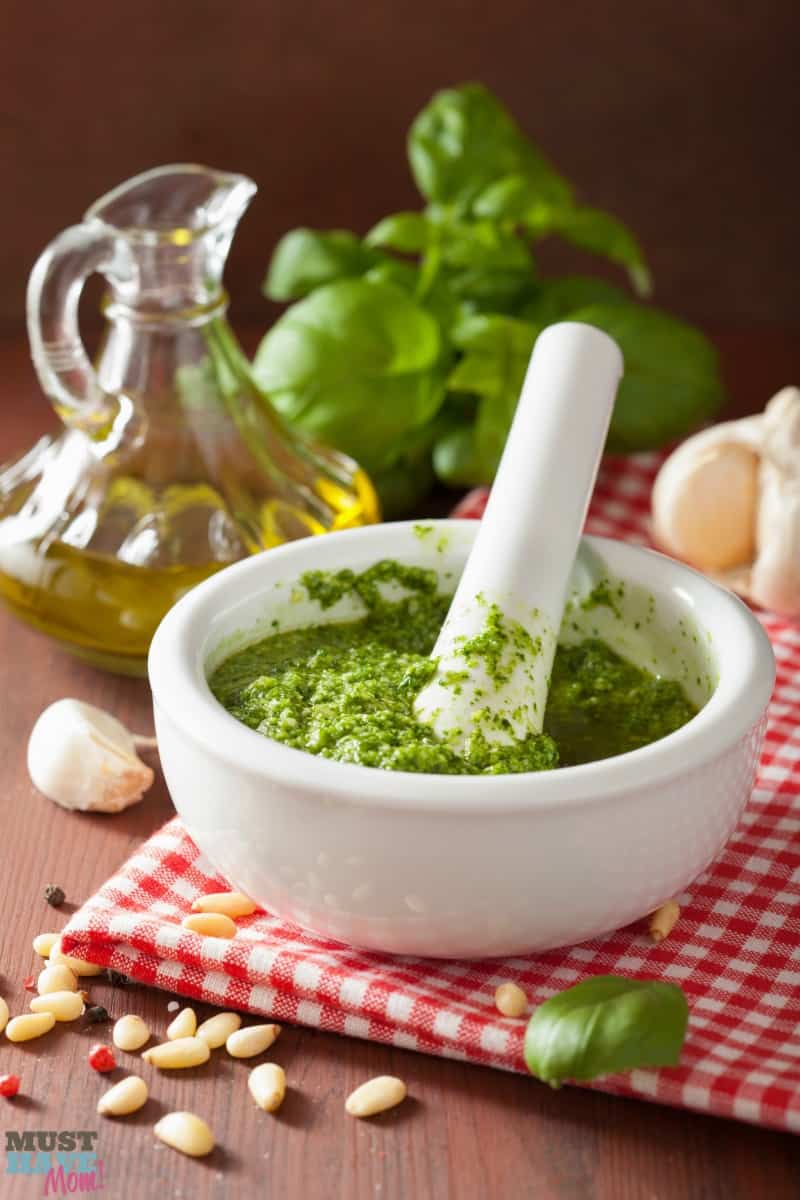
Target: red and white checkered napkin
[(735, 950)]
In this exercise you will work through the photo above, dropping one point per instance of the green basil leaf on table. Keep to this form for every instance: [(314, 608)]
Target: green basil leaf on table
[(672, 381), (594, 230), (308, 258), (605, 1025), (465, 140), (356, 364)]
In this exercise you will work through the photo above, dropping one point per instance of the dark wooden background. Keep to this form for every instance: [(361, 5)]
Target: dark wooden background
[(679, 117)]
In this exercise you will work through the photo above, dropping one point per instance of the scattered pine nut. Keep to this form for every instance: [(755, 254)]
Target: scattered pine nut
[(3, 1014), (43, 943), (183, 1026), (174, 1056), (65, 1006), (185, 1132), (664, 920), (127, 1096), (252, 1040), (30, 1025), (217, 1029), (56, 978), (231, 904), (210, 924), (130, 1033), (375, 1096), (267, 1086), (78, 966), (510, 1000), (173, 1006)]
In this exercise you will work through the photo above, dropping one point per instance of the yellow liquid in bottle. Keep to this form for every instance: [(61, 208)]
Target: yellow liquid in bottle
[(106, 611)]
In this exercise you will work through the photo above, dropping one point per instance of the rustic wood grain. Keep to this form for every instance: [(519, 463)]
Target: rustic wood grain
[(467, 1132)]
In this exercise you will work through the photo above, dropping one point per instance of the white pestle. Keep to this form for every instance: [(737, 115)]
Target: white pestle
[(526, 545)]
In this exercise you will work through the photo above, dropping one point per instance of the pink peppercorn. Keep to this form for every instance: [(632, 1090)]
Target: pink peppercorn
[(101, 1058)]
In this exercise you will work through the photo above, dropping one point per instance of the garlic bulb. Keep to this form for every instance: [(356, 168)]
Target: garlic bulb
[(83, 758), (728, 502)]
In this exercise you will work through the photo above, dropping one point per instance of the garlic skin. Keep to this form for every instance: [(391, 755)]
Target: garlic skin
[(728, 502), (84, 759)]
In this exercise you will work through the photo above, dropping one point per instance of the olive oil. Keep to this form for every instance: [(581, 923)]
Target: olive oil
[(106, 610), (173, 462)]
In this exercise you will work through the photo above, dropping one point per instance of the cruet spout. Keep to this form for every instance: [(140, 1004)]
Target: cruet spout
[(178, 222), (179, 202)]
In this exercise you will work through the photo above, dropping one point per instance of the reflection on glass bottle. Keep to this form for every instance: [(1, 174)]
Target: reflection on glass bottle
[(172, 463)]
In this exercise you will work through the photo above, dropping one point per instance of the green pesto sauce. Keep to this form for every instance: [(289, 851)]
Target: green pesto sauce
[(346, 691)]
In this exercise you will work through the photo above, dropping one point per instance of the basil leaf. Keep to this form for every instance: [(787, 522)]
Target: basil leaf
[(356, 364), (604, 1025), (496, 354), (672, 380), (485, 265), (307, 258), (408, 232), (556, 299), (464, 141), (455, 460), (594, 230)]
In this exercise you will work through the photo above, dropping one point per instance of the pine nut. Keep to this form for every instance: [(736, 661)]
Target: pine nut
[(253, 1040), (185, 1132), (183, 1026), (183, 1052), (267, 1086), (217, 1029), (56, 979), (65, 1006), (210, 925), (375, 1096), (130, 1033), (78, 966), (664, 920), (231, 904), (31, 1025), (510, 1000), (3, 1014), (127, 1096), (43, 943)]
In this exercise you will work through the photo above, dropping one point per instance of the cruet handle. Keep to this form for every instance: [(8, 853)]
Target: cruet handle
[(54, 290)]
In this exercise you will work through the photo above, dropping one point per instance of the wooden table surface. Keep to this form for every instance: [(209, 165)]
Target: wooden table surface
[(467, 1131)]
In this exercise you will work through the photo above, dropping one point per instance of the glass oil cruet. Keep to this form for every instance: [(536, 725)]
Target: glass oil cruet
[(171, 463)]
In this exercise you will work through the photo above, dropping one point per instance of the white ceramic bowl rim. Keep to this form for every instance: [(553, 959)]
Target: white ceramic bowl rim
[(746, 678)]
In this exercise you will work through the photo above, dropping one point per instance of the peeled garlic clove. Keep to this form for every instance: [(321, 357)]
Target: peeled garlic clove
[(705, 500), (83, 758)]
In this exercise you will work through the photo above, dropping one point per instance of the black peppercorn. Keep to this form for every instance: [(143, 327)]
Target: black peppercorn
[(96, 1014), (54, 895), (116, 978)]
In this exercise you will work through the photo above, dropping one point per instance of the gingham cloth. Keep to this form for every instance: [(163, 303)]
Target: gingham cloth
[(735, 950)]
